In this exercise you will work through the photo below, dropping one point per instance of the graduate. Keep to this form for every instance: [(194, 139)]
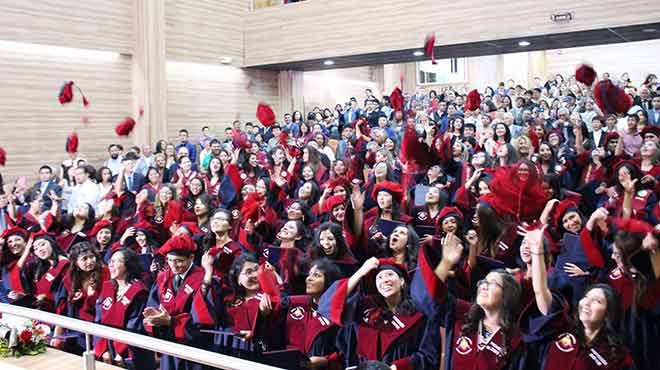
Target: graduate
[(383, 325), (183, 301), (120, 304), (329, 243), (14, 255), (48, 271)]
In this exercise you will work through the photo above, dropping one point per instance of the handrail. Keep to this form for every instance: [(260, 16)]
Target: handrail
[(153, 344)]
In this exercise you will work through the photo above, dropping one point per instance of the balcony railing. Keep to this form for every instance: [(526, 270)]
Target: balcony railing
[(153, 344)]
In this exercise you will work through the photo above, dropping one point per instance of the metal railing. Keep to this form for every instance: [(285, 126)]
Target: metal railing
[(153, 344)]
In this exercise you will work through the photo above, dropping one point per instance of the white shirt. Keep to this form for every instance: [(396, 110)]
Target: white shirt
[(87, 192)]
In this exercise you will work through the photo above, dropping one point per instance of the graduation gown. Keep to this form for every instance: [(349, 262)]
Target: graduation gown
[(13, 279), (191, 311), (50, 284), (461, 351), (407, 340), (307, 330), (123, 313)]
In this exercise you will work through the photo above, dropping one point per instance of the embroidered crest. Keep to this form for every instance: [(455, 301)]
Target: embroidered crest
[(366, 314), (168, 295), (243, 176), (642, 193), (234, 214), (423, 216), (77, 295), (284, 174), (204, 229), (107, 303), (158, 219), (558, 168), (188, 289), (463, 345), (237, 302), (566, 342), (189, 204), (297, 313), (49, 277)]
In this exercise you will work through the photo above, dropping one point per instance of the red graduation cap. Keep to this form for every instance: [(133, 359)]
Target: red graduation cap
[(473, 101), (192, 227), (585, 74), (180, 244), (650, 130), (72, 143), (363, 125), (562, 208), (332, 202), (611, 98), (413, 148), (634, 226), (100, 225), (391, 264), (251, 209), (611, 135), (240, 140), (3, 157), (390, 187), (450, 211), (265, 114), (338, 181), (14, 230), (429, 43), (534, 138), (66, 93), (125, 127), (396, 98)]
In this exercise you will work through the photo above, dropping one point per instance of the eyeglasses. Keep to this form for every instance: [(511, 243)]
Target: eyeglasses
[(248, 272), (489, 283)]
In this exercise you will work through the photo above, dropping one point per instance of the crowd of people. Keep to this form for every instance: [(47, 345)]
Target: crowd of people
[(509, 228)]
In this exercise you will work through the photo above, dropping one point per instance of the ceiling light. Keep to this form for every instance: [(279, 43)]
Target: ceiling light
[(649, 30), (524, 43), (418, 53), (329, 62)]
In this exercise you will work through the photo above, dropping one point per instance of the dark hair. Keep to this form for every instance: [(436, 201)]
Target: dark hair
[(315, 194), (76, 275), (42, 266), (630, 244), (235, 271), (132, 262), (68, 219), (183, 130), (610, 331), (341, 250), (411, 247), (509, 308), (491, 227), (331, 272), (99, 174), (46, 167), (507, 134), (207, 201)]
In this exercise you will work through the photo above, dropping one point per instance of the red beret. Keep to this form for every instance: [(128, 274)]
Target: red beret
[(251, 209), (332, 202), (363, 124), (337, 181), (265, 114), (178, 245), (450, 211), (99, 225), (561, 209), (429, 44), (15, 230), (413, 147), (396, 98), (610, 136), (125, 127), (240, 140), (633, 225), (72, 143), (585, 74), (192, 228), (650, 130), (391, 187), (3, 157), (66, 93), (473, 101), (391, 264), (611, 98)]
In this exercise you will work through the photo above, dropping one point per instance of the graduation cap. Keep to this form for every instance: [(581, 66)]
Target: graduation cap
[(611, 136), (562, 208), (390, 187), (240, 140), (71, 146), (585, 74), (572, 252), (251, 209), (429, 43), (268, 284), (413, 147), (611, 98), (332, 202), (178, 245), (265, 114), (3, 157), (286, 358), (100, 225), (450, 212), (473, 101), (386, 227), (125, 127), (391, 264), (396, 99), (650, 130), (66, 93), (14, 230)]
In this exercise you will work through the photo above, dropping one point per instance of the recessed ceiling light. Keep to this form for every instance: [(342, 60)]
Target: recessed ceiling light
[(649, 30), (418, 53), (329, 62), (524, 43)]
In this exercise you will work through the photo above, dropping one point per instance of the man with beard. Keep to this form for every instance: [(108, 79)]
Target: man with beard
[(113, 163)]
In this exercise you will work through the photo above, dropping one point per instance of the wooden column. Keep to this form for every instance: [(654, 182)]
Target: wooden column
[(149, 79)]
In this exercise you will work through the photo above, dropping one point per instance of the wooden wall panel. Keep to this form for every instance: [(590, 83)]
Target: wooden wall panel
[(199, 95), (636, 58), (327, 88), (325, 28), (90, 24), (34, 125), (205, 30)]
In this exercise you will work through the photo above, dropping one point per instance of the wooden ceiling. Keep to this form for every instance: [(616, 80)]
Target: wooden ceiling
[(542, 42)]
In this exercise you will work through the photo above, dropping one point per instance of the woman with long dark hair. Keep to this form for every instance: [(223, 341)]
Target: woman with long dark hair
[(47, 271), (329, 243), (122, 299), (14, 256), (218, 243), (369, 318)]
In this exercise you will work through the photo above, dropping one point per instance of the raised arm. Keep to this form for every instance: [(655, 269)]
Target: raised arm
[(539, 274)]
